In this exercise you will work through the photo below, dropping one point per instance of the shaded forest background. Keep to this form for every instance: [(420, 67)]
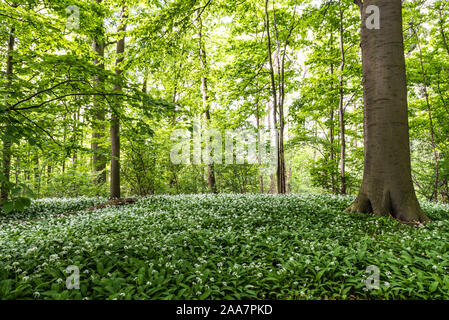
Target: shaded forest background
[(91, 91)]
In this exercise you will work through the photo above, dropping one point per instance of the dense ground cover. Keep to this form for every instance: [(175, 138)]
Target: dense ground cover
[(220, 247)]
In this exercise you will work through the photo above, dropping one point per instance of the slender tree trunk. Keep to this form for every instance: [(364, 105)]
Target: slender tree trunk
[(75, 137), (6, 161), (64, 139), (440, 92), (387, 187), (341, 109), (279, 175), (272, 184), (206, 106), (37, 180), (174, 178), (115, 121), (280, 63), (259, 158), (446, 193), (49, 170), (272, 188), (98, 149), (331, 131), (17, 171), (443, 34)]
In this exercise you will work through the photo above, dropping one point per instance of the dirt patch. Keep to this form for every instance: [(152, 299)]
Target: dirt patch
[(112, 203)]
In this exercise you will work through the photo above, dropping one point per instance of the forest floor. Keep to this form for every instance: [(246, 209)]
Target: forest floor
[(221, 247)]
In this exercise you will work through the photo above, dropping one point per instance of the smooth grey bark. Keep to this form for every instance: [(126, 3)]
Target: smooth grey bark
[(98, 149), (331, 131), (6, 152), (211, 180), (282, 179), (341, 108), (259, 157), (37, 175), (115, 121), (387, 188), (280, 170)]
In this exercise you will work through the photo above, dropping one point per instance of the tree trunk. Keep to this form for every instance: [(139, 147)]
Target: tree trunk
[(341, 109), (272, 189), (174, 178), (37, 179), (205, 93), (98, 158), (115, 121), (443, 34), (387, 187), (76, 118), (279, 169), (331, 130), (259, 157), (6, 161), (49, 170)]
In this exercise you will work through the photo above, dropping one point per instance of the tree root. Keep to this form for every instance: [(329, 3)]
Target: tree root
[(407, 212)]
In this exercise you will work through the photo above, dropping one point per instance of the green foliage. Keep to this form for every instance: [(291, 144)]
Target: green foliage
[(49, 107), (220, 247)]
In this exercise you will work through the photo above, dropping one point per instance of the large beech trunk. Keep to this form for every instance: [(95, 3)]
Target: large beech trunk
[(387, 187)]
